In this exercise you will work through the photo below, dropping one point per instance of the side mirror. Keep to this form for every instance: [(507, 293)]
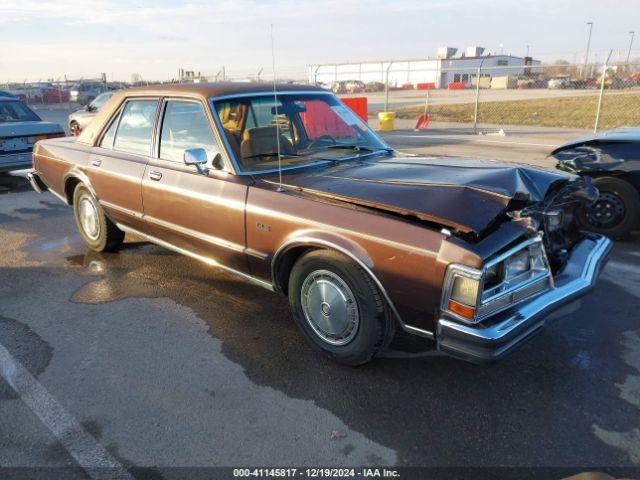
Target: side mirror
[(197, 157)]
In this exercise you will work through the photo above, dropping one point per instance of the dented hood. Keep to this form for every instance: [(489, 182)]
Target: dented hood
[(465, 194)]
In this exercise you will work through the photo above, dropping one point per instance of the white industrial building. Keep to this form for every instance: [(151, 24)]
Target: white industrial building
[(445, 68)]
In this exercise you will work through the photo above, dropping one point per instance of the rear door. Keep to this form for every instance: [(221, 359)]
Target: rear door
[(117, 165), (203, 214)]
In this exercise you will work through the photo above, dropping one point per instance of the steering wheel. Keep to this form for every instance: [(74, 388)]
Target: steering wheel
[(322, 139)]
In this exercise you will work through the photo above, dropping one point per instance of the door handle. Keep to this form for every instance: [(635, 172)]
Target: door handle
[(96, 162), (155, 176)]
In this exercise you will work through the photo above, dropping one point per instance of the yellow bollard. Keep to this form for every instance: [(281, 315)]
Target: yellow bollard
[(386, 121)]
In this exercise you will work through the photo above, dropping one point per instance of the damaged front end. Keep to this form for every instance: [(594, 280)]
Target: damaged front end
[(555, 217), (487, 312)]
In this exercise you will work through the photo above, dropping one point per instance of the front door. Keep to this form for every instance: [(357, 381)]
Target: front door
[(203, 214), (117, 165)]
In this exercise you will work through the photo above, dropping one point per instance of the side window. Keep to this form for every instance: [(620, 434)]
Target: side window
[(185, 125), (107, 139), (136, 127)]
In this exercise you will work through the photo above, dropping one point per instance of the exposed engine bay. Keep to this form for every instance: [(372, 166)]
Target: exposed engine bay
[(555, 217)]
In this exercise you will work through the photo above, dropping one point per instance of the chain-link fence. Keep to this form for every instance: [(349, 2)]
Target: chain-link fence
[(494, 92), (487, 93)]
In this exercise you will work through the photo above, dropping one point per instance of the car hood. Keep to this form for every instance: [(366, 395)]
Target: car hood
[(623, 134), (465, 194), (14, 129)]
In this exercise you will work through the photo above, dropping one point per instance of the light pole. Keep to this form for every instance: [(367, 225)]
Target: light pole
[(527, 51), (586, 57), (632, 33)]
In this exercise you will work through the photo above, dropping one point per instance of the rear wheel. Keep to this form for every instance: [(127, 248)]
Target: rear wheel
[(338, 308), (98, 232), (615, 213)]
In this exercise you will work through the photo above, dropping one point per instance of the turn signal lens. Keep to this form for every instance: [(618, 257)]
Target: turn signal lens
[(462, 310)]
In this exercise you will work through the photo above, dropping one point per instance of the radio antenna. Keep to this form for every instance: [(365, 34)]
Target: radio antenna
[(275, 106)]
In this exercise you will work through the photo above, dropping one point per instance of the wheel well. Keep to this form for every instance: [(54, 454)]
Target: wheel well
[(285, 264), (69, 188), (631, 178)]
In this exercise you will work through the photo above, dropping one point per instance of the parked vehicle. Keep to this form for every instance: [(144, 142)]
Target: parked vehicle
[(374, 87), (612, 159), (20, 128), (348, 86), (84, 93), (81, 118), (559, 82), (298, 195), (55, 95), (5, 94)]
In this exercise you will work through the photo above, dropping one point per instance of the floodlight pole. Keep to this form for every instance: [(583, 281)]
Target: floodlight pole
[(586, 57), (632, 33)]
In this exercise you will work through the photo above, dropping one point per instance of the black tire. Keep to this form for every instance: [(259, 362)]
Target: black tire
[(105, 237), (376, 326), (618, 196)]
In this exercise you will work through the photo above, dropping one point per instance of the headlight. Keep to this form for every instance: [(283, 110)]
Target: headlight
[(465, 291), (472, 295), (516, 265)]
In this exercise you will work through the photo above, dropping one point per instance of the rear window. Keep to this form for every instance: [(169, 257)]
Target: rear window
[(135, 127), (15, 111)]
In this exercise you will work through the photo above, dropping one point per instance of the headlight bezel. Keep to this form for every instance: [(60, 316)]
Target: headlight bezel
[(507, 292)]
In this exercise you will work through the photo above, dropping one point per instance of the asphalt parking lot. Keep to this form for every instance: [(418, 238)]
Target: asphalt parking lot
[(146, 358)]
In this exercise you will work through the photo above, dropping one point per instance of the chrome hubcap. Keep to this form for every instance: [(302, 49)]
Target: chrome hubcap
[(89, 218), (330, 307)]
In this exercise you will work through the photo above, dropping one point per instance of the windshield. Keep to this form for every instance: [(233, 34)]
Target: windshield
[(14, 111), (309, 127), (99, 101)]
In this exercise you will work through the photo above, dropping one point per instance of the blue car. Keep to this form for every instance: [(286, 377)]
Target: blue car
[(20, 129), (5, 94)]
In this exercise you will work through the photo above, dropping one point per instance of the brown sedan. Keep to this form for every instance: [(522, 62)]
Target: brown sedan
[(294, 192)]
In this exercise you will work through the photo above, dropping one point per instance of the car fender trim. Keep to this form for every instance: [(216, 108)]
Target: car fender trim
[(314, 241)]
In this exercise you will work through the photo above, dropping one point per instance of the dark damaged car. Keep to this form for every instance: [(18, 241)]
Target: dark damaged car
[(612, 159), (297, 194)]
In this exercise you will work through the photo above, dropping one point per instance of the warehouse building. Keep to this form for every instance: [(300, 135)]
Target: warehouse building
[(445, 68)]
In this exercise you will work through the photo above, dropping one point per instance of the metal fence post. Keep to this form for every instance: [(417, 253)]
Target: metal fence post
[(475, 110), (386, 90), (602, 80)]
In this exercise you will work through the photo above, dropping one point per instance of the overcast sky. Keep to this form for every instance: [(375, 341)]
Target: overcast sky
[(41, 39)]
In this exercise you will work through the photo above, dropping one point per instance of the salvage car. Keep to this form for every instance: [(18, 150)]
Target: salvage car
[(612, 159), (291, 190), (81, 118), (20, 129)]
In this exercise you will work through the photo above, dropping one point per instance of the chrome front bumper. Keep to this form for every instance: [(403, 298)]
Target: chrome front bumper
[(36, 183), (498, 335)]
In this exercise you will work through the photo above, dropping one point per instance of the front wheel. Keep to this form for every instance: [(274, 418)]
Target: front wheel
[(615, 213), (338, 308), (98, 232)]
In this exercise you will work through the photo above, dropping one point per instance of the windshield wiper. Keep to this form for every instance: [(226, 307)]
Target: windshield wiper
[(361, 148), (274, 154)]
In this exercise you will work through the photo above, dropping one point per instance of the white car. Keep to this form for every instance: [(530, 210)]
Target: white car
[(559, 82)]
